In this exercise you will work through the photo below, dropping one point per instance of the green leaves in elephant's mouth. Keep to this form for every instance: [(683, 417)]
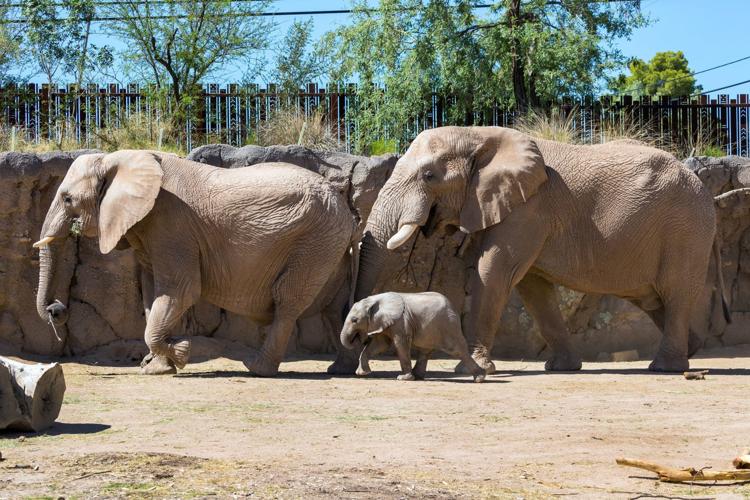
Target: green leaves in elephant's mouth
[(76, 228)]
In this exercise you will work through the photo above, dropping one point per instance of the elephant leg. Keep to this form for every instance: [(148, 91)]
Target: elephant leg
[(293, 292), (377, 344), (166, 312), (404, 357), (541, 301), (420, 367), (673, 352), (695, 341), (152, 365), (508, 251)]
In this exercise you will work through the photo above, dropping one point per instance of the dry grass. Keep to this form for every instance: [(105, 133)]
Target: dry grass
[(134, 132), (139, 131), (551, 126), (554, 126), (290, 126)]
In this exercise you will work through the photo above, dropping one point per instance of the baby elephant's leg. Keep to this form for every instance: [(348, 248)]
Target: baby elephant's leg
[(420, 367), (377, 344), (403, 350)]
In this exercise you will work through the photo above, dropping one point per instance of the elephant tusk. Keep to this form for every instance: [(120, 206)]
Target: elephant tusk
[(43, 242), (401, 236)]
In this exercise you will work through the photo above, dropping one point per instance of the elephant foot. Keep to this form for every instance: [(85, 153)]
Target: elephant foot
[(179, 352), (485, 363), (343, 365), (157, 365), (261, 367), (362, 372), (669, 364), (479, 378), (563, 363), (406, 376)]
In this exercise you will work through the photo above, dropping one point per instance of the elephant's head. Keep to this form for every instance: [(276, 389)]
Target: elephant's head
[(450, 177), (371, 316), (101, 195)]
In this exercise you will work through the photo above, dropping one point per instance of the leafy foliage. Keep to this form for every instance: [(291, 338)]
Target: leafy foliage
[(58, 36), (667, 73), (520, 54), (296, 63), (179, 43)]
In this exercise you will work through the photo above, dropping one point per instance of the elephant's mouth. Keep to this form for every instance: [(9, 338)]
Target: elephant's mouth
[(364, 338)]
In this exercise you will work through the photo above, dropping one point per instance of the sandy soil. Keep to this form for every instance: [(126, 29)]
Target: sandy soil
[(213, 431)]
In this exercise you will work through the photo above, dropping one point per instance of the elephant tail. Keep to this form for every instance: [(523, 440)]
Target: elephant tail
[(720, 279)]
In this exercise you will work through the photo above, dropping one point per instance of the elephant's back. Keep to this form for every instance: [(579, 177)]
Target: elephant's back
[(614, 204), (626, 174)]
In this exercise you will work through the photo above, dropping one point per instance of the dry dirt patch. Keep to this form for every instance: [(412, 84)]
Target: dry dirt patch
[(214, 431)]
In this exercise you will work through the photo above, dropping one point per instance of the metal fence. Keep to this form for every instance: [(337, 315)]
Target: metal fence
[(232, 114)]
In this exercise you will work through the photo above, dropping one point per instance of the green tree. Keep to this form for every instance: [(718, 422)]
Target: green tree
[(296, 63), (517, 53), (58, 36), (10, 43), (179, 43), (667, 73)]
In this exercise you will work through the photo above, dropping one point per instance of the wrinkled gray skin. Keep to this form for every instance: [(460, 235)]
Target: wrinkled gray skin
[(619, 218), (261, 241), (425, 321)]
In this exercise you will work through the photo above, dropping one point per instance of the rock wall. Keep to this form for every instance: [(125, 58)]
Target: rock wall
[(106, 314)]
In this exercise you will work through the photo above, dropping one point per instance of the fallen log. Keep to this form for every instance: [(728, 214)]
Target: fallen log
[(689, 475), (742, 461), (30, 395), (701, 375)]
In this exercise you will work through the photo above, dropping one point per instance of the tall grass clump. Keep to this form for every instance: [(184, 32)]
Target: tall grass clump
[(550, 125), (290, 126), (139, 131)]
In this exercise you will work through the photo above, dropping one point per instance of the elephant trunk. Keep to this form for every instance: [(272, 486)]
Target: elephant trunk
[(373, 253), (395, 217), (48, 308), (348, 336)]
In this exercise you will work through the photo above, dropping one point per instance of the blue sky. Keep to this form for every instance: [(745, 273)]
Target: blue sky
[(709, 33)]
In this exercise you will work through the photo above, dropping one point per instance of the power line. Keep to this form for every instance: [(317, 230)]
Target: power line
[(236, 14), (140, 2), (720, 88), (640, 86)]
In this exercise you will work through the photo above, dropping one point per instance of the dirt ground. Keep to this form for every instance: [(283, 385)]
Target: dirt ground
[(214, 431)]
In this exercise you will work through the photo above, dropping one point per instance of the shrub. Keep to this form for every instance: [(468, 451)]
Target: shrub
[(383, 146), (551, 126), (290, 126)]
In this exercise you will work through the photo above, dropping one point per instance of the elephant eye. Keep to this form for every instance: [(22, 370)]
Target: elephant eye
[(354, 319), (428, 175), (67, 199)]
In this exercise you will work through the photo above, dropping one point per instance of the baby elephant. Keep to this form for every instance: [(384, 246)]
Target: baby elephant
[(423, 320)]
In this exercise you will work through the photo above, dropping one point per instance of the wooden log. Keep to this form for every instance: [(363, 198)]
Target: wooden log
[(9, 410), (689, 475), (742, 461), (38, 391), (701, 375)]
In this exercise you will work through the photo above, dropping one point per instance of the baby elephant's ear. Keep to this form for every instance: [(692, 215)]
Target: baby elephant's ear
[(386, 309)]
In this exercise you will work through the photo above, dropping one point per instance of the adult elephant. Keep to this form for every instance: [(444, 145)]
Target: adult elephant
[(262, 241), (619, 218)]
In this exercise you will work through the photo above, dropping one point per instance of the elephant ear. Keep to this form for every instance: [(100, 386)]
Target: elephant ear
[(385, 310), (134, 180), (507, 170)]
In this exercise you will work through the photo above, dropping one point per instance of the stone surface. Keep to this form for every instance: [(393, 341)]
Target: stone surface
[(106, 313)]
